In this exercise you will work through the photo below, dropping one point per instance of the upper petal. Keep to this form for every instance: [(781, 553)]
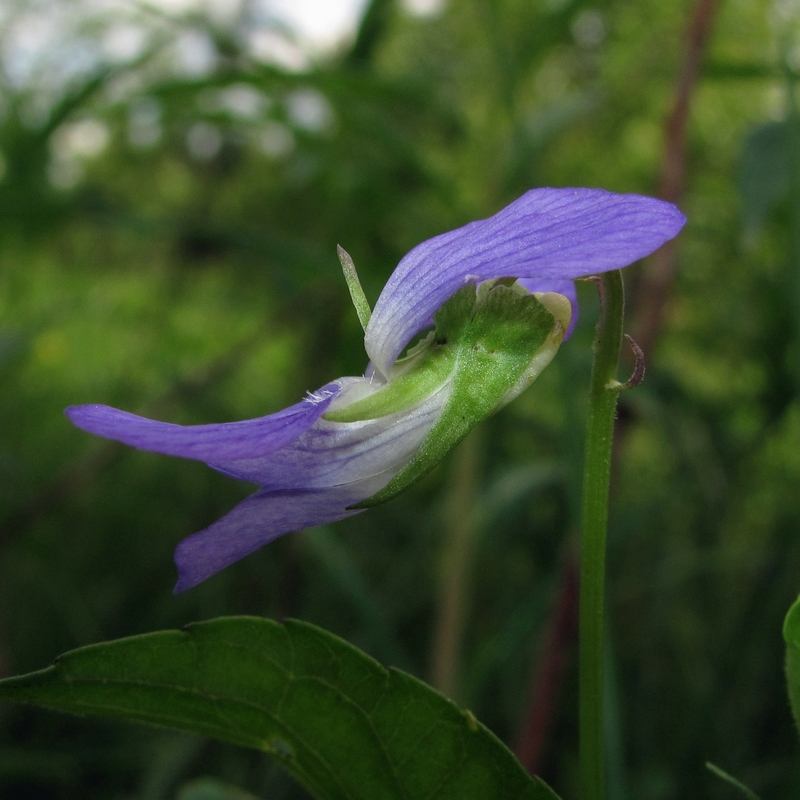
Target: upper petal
[(252, 438), (548, 234)]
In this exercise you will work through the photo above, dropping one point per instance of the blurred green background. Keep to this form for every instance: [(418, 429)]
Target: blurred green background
[(175, 180)]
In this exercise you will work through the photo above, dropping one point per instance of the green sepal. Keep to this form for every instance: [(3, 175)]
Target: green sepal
[(357, 295), (426, 367), (490, 340), (429, 371)]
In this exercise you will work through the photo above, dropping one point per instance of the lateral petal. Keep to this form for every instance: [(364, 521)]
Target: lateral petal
[(250, 438), (330, 454)]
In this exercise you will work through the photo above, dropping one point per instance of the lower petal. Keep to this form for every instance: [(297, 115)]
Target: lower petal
[(259, 519)]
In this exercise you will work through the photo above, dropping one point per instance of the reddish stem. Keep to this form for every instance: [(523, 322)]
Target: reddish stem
[(655, 285)]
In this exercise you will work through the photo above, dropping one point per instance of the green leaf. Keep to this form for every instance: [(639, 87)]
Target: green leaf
[(791, 635), (345, 726)]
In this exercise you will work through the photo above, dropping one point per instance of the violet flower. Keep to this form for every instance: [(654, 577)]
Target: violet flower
[(360, 440)]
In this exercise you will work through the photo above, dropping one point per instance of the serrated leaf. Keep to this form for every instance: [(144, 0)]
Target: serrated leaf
[(345, 726)]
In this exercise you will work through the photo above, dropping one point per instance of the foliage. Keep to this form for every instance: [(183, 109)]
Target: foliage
[(340, 722)]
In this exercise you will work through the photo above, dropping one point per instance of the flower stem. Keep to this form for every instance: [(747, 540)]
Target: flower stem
[(596, 479)]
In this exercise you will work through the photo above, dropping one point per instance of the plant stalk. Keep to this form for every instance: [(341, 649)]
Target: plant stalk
[(458, 553), (596, 480)]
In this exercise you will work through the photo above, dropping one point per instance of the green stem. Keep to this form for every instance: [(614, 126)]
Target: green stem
[(459, 546), (596, 479)]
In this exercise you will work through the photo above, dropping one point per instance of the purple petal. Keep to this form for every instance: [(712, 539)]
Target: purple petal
[(259, 519), (311, 481), (251, 438), (547, 233), (565, 287), (331, 454)]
